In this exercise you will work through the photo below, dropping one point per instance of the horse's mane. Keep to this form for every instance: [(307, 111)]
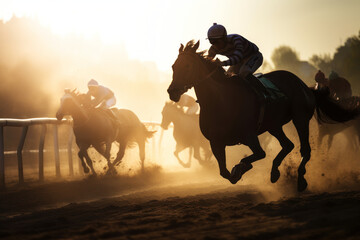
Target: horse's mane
[(211, 64), (191, 46)]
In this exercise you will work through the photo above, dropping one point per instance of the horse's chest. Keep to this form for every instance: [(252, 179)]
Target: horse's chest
[(230, 128)]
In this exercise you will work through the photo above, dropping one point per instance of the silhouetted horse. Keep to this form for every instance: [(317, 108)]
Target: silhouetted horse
[(186, 133), (94, 127), (230, 110)]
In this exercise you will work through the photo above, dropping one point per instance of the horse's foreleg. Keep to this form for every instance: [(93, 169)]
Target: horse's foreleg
[(330, 140), (302, 127), (178, 149), (287, 146), (89, 162), (104, 152), (246, 163), (81, 156), (218, 150), (141, 144)]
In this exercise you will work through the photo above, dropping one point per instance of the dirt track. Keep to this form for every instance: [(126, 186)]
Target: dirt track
[(146, 208)]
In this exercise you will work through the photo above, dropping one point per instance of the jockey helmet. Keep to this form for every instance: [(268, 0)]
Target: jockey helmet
[(93, 82), (216, 31), (320, 76)]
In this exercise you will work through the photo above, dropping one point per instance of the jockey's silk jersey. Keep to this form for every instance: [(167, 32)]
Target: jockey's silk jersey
[(186, 101), (102, 93), (236, 49)]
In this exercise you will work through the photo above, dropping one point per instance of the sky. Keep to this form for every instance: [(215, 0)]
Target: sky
[(153, 30)]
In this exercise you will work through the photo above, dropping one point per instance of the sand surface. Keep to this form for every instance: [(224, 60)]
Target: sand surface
[(148, 207)]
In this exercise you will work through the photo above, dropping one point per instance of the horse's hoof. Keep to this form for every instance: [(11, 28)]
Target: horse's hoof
[(239, 170), (275, 175), (86, 170), (302, 184)]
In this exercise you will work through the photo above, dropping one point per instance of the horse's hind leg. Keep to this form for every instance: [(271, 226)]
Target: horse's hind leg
[(286, 145), (245, 163), (302, 127), (121, 152)]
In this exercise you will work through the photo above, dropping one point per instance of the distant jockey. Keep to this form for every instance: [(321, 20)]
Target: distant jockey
[(339, 87), (190, 103), (103, 97)]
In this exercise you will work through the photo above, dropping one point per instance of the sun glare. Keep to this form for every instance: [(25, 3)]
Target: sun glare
[(138, 25)]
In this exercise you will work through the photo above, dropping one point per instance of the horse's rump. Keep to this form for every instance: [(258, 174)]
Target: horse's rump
[(130, 123)]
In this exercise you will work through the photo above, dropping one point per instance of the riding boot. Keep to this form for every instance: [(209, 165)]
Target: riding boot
[(258, 88), (263, 96)]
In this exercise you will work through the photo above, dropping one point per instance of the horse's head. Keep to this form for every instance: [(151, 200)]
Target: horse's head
[(67, 103), (186, 70), (167, 113)]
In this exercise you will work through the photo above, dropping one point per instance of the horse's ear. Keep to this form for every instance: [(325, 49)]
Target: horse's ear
[(66, 90), (196, 46), (181, 47)]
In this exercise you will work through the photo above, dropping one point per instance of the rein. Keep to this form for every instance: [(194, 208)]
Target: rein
[(209, 75), (84, 113)]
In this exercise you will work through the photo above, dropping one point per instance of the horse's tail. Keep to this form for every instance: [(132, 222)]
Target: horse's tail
[(329, 110), (147, 133)]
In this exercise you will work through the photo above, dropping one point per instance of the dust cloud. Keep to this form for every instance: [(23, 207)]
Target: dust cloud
[(37, 65)]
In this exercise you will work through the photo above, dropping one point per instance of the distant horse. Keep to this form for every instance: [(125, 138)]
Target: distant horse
[(230, 111), (331, 130), (186, 133), (94, 127)]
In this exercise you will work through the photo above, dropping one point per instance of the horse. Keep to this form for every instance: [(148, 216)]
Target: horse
[(94, 127), (231, 112), (186, 133)]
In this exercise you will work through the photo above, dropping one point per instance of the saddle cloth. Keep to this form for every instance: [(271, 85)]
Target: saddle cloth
[(273, 92)]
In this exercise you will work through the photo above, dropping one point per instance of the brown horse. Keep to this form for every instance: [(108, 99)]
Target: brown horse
[(186, 133), (94, 127), (230, 111)]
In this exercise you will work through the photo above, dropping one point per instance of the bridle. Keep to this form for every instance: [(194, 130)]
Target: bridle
[(200, 80), (84, 113)]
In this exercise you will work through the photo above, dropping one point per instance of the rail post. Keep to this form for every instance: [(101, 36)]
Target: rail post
[(56, 151), (69, 150), (2, 158), (19, 153), (41, 152)]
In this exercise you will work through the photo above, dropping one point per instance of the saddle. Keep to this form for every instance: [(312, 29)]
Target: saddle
[(266, 91), (271, 92)]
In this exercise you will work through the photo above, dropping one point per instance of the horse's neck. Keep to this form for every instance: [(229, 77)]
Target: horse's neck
[(216, 97), (80, 117)]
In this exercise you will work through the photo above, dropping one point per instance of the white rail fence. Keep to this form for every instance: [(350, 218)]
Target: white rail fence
[(24, 124), (45, 123)]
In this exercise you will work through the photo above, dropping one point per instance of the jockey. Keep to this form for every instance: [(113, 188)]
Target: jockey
[(190, 103), (321, 81), (244, 57), (340, 88), (103, 96)]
